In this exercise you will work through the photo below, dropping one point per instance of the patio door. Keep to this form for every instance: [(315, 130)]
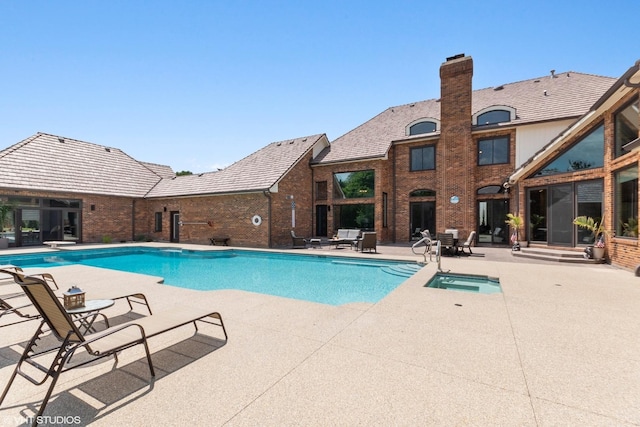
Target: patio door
[(175, 227), (491, 217), (321, 220), (423, 217)]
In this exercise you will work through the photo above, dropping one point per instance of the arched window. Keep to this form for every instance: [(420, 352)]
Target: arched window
[(422, 127), (494, 114), (422, 193), (490, 189)]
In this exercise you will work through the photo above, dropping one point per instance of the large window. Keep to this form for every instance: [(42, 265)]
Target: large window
[(423, 158), (353, 185), (354, 216), (626, 195), (493, 151), (587, 153), (627, 126)]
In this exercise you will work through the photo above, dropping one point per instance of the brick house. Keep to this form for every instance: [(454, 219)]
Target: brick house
[(434, 164), (442, 163), (590, 169), (65, 189)]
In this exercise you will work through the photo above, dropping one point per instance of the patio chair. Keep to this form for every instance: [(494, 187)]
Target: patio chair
[(57, 322), (468, 243), (298, 242), (368, 242), (446, 241)]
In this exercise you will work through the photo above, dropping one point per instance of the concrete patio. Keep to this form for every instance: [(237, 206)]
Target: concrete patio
[(559, 346)]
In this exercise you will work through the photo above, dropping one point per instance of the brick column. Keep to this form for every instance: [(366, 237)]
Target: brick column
[(456, 154)]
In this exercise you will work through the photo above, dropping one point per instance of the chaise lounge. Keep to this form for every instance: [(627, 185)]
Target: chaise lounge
[(56, 322), (16, 303)]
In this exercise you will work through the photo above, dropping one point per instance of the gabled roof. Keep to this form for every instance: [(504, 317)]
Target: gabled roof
[(51, 163), (259, 171), (558, 97), (619, 89)]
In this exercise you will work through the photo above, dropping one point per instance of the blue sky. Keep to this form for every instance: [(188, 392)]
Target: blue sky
[(201, 84)]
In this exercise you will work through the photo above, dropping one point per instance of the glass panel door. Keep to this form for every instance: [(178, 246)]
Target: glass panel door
[(561, 215), (30, 221), (423, 217), (51, 225), (537, 231), (491, 226)]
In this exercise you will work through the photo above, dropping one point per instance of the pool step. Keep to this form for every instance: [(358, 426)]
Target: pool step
[(402, 270)]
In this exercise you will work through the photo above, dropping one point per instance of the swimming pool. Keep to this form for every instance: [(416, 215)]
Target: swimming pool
[(465, 283), (317, 278)]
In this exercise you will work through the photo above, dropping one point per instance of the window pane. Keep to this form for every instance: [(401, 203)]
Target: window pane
[(626, 126), (422, 127), (626, 220), (354, 216), (495, 116), (501, 150), (351, 185), (589, 195), (586, 154), (423, 158), (485, 152)]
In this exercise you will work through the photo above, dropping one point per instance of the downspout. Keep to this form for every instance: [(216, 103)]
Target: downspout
[(394, 196), (267, 194)]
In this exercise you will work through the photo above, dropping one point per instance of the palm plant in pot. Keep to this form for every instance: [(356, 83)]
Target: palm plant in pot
[(598, 232), (515, 222)]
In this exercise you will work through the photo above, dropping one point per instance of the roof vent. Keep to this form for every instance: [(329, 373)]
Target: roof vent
[(278, 144), (499, 88), (107, 149), (537, 81), (60, 139), (292, 141), (553, 74)]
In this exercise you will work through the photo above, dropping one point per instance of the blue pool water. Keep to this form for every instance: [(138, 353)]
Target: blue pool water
[(323, 279), (465, 283)]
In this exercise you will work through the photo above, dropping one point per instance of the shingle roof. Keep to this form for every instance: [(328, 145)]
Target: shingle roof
[(163, 171), (568, 95), (52, 163), (256, 172)]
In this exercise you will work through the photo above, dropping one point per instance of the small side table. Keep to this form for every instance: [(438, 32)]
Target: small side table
[(92, 306), (315, 243)]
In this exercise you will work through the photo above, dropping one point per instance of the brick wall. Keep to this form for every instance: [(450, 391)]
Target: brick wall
[(111, 217)]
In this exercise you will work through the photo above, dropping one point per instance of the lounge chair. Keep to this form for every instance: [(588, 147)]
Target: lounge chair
[(468, 243), (368, 242), (298, 242), (106, 343), (16, 303)]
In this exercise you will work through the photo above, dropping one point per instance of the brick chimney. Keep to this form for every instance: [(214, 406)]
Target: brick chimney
[(456, 155)]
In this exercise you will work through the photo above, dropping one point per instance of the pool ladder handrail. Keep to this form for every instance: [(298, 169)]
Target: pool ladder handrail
[(427, 248)]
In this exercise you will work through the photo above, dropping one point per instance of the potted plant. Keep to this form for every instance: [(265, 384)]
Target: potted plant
[(5, 209), (515, 222), (598, 232)]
